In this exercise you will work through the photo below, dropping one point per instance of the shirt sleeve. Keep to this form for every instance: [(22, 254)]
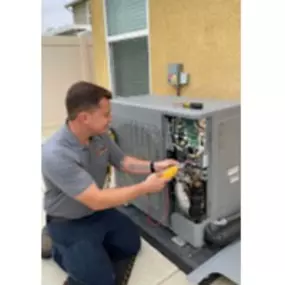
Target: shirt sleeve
[(116, 154), (66, 174)]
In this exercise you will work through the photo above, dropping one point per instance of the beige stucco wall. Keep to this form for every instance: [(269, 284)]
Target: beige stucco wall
[(205, 37)]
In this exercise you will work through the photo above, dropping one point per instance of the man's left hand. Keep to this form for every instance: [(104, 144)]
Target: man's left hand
[(164, 164)]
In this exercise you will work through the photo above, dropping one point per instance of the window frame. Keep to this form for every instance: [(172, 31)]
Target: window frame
[(110, 40)]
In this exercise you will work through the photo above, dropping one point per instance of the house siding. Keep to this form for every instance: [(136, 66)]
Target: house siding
[(203, 35), (80, 14), (99, 44)]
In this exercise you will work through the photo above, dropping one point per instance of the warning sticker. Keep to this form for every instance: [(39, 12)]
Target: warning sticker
[(234, 170)]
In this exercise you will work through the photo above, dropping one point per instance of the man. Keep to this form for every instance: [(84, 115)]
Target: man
[(88, 234)]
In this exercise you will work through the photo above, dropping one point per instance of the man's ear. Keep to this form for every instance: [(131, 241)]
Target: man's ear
[(82, 116)]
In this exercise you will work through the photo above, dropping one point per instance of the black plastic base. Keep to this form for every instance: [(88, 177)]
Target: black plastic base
[(186, 258)]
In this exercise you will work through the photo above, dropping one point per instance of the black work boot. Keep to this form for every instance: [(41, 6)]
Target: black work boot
[(123, 270), (46, 244)]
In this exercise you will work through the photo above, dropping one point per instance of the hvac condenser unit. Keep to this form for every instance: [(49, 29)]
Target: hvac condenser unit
[(206, 140)]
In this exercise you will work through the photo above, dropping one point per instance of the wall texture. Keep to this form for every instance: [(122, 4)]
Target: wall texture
[(100, 48), (65, 60), (205, 37)]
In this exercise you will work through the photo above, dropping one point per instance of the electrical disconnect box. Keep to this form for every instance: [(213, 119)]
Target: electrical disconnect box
[(176, 76), (206, 140)]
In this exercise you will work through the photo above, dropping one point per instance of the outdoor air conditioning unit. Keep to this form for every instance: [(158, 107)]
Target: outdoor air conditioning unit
[(205, 138)]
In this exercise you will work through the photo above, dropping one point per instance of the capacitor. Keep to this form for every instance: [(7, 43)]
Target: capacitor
[(197, 200)]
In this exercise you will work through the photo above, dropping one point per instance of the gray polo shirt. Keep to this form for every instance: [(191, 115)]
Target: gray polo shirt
[(69, 167)]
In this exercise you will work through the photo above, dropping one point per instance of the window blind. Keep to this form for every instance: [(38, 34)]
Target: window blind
[(124, 16), (131, 72)]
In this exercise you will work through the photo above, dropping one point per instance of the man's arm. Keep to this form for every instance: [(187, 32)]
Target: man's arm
[(133, 165), (97, 199), (75, 182)]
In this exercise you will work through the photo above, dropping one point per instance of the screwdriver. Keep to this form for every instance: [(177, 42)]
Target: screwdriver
[(193, 105)]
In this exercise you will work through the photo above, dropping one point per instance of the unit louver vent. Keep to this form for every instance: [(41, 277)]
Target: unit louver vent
[(139, 140)]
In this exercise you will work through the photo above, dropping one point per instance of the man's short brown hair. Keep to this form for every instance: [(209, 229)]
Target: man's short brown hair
[(84, 96)]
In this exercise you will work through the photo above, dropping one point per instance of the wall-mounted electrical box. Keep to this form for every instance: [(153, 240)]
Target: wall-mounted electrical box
[(176, 76)]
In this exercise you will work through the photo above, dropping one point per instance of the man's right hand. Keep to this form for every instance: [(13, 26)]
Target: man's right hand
[(155, 183), (97, 200)]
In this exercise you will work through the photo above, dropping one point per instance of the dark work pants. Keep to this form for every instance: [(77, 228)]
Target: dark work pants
[(87, 248)]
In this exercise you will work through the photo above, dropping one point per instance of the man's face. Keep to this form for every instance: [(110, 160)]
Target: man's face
[(97, 121)]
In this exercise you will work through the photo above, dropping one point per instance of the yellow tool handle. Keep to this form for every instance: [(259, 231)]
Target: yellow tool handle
[(170, 172), (186, 105)]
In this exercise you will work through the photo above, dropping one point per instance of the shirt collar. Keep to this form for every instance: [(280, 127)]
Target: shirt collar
[(71, 138)]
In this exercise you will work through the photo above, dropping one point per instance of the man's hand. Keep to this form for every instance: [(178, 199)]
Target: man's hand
[(154, 183), (137, 166), (164, 164)]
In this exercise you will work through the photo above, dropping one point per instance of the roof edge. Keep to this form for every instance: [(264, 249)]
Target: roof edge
[(73, 3)]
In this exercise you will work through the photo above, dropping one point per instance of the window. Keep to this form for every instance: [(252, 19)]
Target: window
[(124, 16), (127, 44)]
